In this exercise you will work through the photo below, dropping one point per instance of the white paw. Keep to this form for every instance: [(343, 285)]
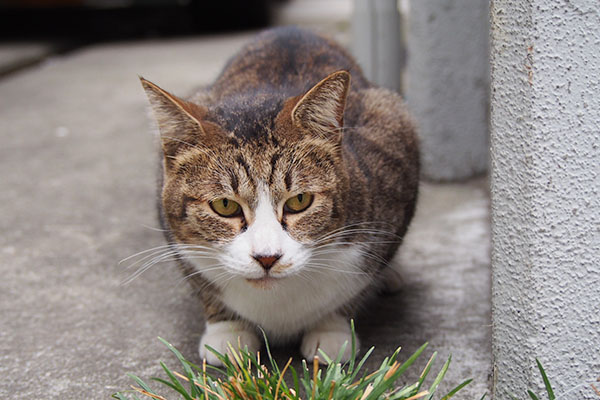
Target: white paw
[(329, 337), (219, 335)]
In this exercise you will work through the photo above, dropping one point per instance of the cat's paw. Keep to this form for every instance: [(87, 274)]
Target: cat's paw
[(328, 336), (219, 335)]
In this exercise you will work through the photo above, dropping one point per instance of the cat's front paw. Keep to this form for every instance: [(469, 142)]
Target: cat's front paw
[(328, 336), (219, 335)]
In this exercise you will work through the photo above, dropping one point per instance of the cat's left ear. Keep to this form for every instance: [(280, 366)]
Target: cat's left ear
[(321, 109)]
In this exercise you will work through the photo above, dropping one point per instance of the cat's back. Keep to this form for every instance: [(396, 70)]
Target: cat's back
[(286, 60)]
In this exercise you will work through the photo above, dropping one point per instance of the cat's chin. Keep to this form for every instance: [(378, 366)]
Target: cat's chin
[(264, 283)]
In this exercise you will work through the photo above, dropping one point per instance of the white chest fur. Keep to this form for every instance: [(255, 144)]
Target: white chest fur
[(295, 303)]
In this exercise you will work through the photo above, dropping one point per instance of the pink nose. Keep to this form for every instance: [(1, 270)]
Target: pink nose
[(267, 261)]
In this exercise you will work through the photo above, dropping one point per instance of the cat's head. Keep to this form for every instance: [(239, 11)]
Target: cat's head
[(252, 184)]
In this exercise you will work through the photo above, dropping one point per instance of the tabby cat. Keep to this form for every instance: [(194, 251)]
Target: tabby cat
[(286, 188)]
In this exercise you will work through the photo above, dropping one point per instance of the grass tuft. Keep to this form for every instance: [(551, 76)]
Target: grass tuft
[(245, 377)]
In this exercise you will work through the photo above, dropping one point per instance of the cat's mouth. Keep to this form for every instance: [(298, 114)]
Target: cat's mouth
[(266, 282)]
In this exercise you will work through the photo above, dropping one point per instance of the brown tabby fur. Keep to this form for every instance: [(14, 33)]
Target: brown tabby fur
[(256, 123)]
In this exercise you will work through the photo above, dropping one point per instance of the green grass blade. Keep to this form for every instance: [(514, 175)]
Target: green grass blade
[(168, 384), (194, 392), (223, 358), (353, 348), (405, 392), (327, 359), (532, 395), (361, 364), (176, 384), (338, 359), (546, 381), (439, 378), (142, 384), (274, 365), (306, 377), (296, 381), (483, 397), (383, 386), (457, 388), (395, 355), (172, 349)]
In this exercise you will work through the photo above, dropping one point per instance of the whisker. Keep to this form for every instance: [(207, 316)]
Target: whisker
[(168, 249), (337, 244), (166, 246), (144, 252), (355, 231), (362, 251), (208, 268), (327, 267), (174, 253), (166, 255), (364, 223), (153, 228), (364, 228)]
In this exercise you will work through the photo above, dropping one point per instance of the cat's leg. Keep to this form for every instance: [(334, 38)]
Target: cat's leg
[(222, 327), (219, 335), (329, 335)]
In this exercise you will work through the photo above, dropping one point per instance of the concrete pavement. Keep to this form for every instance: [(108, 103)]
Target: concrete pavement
[(78, 165)]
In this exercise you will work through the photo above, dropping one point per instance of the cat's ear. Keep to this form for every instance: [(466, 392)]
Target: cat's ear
[(321, 109), (176, 118)]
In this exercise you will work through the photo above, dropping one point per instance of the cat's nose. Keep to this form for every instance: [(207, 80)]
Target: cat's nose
[(267, 261)]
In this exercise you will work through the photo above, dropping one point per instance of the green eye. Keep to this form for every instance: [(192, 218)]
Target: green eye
[(298, 203), (226, 208)]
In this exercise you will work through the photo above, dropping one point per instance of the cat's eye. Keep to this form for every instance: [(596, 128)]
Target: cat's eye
[(298, 203), (226, 207)]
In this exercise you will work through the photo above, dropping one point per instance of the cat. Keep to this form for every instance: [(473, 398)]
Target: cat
[(285, 190)]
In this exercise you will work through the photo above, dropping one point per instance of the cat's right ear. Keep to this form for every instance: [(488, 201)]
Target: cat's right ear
[(177, 119)]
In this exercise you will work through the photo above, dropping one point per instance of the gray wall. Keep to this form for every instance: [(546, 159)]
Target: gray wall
[(446, 77), (377, 41), (545, 129), (446, 85)]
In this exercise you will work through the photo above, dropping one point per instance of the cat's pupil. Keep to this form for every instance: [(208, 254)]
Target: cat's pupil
[(300, 198), (225, 203)]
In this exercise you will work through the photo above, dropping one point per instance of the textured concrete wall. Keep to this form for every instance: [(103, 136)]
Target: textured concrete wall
[(545, 127), (447, 81)]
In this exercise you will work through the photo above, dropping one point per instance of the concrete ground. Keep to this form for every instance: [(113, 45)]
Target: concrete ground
[(77, 195)]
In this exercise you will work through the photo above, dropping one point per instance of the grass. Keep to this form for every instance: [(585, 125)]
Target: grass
[(548, 387), (244, 377)]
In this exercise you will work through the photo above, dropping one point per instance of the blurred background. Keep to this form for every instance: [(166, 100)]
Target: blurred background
[(92, 20), (31, 30)]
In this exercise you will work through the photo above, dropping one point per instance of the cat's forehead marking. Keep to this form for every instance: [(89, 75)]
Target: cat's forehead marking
[(274, 158), (249, 116), (242, 162)]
